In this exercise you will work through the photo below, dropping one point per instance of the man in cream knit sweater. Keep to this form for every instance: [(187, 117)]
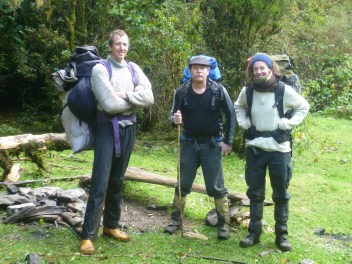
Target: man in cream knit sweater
[(114, 137)]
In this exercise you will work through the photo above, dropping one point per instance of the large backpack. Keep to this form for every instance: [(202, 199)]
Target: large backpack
[(287, 69), (214, 73), (76, 79), (81, 99), (80, 105)]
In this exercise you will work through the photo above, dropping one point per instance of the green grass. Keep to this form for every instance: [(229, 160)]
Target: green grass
[(321, 190)]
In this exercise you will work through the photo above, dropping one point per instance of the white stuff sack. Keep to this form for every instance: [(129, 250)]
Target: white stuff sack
[(77, 132)]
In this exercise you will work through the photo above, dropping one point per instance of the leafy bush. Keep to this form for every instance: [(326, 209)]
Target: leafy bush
[(331, 89), (7, 130)]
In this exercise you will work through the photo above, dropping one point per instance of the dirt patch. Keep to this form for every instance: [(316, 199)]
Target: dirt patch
[(147, 218)]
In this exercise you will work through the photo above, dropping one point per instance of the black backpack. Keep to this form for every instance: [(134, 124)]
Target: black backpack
[(76, 79), (81, 99)]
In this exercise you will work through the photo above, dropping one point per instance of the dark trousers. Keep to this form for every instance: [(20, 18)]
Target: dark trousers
[(107, 178), (280, 173), (208, 156)]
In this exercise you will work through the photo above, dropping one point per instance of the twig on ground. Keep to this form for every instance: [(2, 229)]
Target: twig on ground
[(65, 167), (216, 259), (69, 227), (111, 242)]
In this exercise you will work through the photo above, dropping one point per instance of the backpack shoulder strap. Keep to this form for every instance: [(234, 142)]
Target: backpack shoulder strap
[(133, 73), (217, 92), (279, 99), (107, 66), (183, 93), (249, 96)]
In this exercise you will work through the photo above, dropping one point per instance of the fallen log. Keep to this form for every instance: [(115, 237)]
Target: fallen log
[(136, 174), (72, 219), (32, 146), (132, 173), (11, 142), (39, 212), (139, 175)]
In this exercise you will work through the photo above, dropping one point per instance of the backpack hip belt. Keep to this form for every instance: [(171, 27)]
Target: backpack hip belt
[(279, 135)]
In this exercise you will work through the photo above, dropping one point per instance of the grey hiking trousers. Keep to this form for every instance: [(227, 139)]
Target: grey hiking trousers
[(208, 156)]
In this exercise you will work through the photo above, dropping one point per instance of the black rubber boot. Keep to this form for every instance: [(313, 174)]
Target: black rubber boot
[(255, 224), (224, 221), (281, 217), (282, 243), (172, 227), (249, 240), (175, 223)]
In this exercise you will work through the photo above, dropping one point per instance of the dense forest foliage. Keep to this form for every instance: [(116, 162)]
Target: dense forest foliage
[(39, 36)]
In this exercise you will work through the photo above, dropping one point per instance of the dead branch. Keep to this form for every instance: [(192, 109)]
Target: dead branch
[(215, 259)]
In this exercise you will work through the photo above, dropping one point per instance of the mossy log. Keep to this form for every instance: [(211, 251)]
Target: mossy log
[(50, 140), (33, 146)]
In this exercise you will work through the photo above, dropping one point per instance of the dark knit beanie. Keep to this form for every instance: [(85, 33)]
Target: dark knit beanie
[(261, 57)]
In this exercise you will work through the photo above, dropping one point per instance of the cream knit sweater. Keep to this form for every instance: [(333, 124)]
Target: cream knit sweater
[(266, 118), (105, 90)]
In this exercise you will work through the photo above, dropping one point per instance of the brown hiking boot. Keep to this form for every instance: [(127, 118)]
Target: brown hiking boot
[(87, 247), (116, 233)]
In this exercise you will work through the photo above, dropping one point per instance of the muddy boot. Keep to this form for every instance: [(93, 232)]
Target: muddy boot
[(224, 221), (177, 206), (255, 224), (281, 217)]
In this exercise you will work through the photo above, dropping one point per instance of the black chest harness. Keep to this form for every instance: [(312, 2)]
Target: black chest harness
[(279, 135)]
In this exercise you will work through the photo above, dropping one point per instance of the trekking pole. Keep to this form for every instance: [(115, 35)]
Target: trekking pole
[(179, 174)]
